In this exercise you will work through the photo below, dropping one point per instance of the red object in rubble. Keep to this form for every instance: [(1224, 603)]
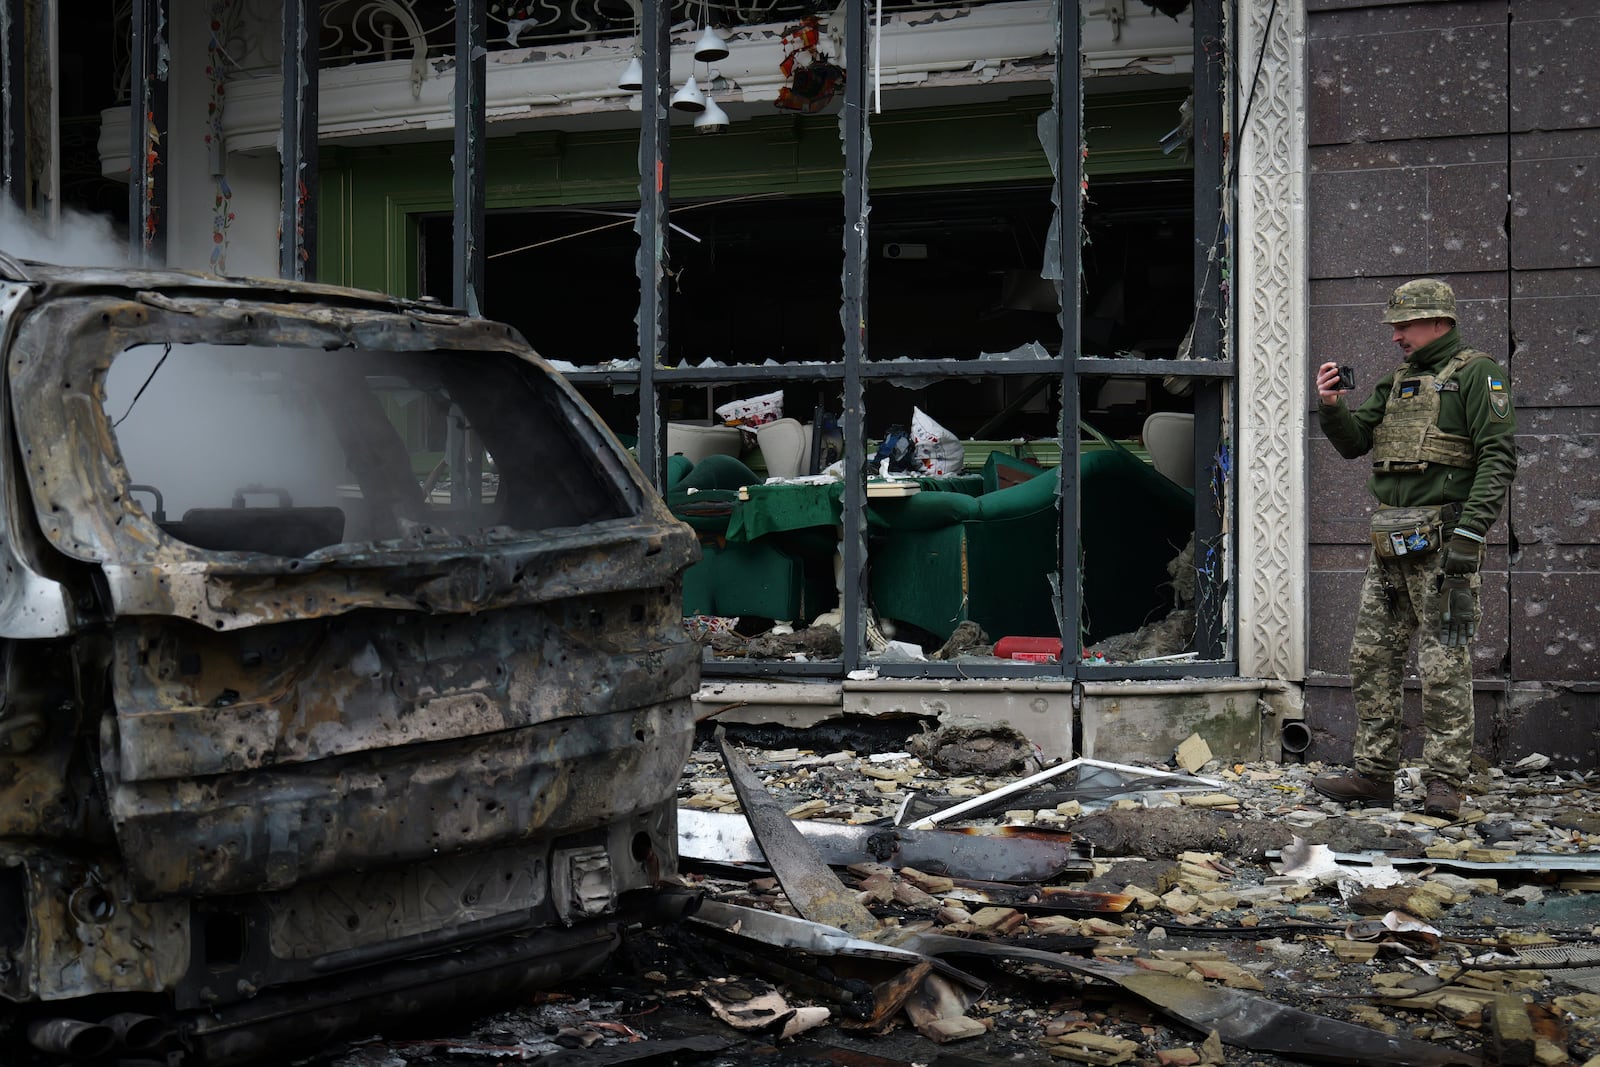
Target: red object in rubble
[(1036, 649)]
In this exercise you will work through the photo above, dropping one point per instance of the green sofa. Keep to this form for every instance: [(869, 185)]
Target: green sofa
[(765, 578), (944, 558)]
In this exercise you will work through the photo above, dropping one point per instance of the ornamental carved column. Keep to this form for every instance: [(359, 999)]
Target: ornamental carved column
[(1274, 365)]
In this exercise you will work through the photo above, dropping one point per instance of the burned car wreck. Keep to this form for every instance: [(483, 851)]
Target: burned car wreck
[(344, 667)]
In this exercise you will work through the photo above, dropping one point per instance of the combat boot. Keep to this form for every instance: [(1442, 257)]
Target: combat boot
[(1442, 800), (1356, 789)]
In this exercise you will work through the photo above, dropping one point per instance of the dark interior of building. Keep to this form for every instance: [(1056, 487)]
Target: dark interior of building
[(953, 274), (92, 76)]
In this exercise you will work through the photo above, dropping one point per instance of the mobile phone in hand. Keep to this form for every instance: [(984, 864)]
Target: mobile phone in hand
[(1347, 377)]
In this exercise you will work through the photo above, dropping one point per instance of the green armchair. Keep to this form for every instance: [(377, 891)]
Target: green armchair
[(945, 558), (762, 578)]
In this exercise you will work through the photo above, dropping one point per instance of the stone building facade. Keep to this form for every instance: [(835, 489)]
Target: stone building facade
[(1461, 139)]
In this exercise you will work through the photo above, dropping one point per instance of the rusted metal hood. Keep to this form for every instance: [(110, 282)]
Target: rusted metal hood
[(226, 594)]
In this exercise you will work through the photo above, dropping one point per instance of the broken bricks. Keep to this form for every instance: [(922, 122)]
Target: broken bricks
[(1084, 1046), (1221, 894), (751, 1006), (1225, 936)]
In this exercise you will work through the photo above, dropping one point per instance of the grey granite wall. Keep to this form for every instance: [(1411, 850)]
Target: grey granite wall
[(1461, 139)]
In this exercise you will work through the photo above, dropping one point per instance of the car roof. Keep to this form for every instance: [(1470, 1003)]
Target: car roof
[(58, 280)]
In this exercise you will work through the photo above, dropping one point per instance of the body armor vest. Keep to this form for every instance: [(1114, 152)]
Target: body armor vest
[(1409, 438)]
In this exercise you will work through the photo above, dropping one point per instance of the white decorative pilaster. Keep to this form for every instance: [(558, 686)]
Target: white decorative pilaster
[(1274, 367)]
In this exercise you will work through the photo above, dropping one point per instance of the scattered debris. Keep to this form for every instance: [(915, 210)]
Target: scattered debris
[(813, 642), (1288, 926), (1001, 854), (1256, 1024), (753, 1006), (976, 750), (1318, 864), (806, 880), (1194, 753), (967, 639), (1091, 781)]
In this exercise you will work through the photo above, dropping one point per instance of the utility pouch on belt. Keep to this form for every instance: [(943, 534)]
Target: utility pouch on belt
[(1408, 531)]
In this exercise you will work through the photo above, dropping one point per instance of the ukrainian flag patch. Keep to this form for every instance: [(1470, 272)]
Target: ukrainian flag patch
[(1499, 399)]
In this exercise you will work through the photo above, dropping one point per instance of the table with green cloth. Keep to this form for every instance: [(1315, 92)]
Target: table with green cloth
[(786, 506)]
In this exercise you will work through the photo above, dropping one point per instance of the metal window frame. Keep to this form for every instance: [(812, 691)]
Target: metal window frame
[(147, 102), (13, 103), (471, 148), (299, 186), (655, 202), (1211, 368)]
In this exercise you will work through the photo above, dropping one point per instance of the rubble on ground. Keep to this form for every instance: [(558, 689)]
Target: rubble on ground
[(812, 642), (968, 750), (1478, 936)]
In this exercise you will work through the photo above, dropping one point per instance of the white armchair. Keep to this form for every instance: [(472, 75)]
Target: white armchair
[(697, 440), (786, 447), (1169, 438)]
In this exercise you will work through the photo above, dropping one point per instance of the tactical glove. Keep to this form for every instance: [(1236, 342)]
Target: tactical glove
[(1463, 554), (1458, 611)]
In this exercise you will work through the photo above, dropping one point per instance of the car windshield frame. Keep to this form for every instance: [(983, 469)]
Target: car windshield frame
[(65, 349)]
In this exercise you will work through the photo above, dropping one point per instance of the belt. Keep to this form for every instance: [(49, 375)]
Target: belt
[(1449, 515)]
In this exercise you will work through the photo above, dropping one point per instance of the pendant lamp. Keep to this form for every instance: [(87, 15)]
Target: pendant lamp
[(711, 47), (632, 78), (689, 98), (712, 120)]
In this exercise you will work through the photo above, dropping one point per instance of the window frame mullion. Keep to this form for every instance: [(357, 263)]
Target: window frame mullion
[(1213, 559), (1069, 220), (853, 318), (655, 200)]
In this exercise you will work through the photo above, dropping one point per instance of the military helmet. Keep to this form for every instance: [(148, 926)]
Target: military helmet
[(1422, 298)]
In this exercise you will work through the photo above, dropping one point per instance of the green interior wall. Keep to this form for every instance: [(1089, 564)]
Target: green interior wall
[(372, 195)]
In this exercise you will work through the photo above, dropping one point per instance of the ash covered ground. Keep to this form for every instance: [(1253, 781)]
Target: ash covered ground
[(1471, 936)]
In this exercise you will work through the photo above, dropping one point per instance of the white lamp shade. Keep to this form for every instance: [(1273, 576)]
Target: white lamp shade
[(712, 120), (689, 98), (632, 79), (711, 47)]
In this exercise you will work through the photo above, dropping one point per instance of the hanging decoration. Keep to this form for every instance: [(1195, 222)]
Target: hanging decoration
[(152, 155), (517, 20), (302, 253), (222, 194), (813, 78)]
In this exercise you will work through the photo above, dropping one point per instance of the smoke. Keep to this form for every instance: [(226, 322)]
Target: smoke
[(80, 239), (201, 422)]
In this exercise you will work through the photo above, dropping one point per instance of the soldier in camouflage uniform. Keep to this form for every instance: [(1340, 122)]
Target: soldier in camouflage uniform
[(1440, 428)]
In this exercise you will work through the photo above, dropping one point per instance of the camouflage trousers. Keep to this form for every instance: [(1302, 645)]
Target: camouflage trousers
[(1400, 597)]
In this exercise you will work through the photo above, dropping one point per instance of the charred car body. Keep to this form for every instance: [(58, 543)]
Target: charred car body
[(344, 666)]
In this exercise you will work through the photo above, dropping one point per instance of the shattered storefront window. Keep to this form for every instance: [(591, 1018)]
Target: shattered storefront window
[(769, 525), (994, 350)]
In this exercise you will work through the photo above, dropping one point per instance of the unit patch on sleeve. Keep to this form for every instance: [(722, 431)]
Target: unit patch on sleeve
[(1499, 399)]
